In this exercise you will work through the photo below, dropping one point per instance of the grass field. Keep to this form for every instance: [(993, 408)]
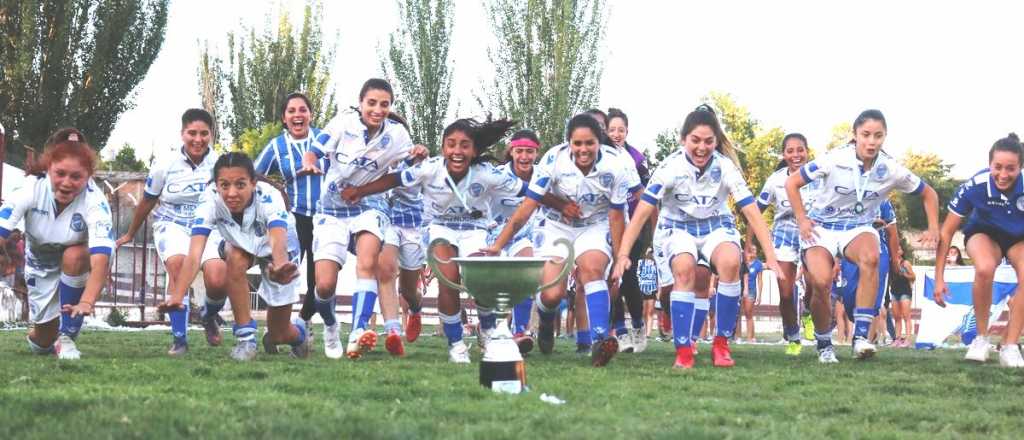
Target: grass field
[(125, 387)]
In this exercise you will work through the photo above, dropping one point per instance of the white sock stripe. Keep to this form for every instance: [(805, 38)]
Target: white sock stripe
[(541, 307), (733, 289), (595, 286), (450, 319), (318, 299), (677, 295), (76, 281), (366, 285), (823, 336)]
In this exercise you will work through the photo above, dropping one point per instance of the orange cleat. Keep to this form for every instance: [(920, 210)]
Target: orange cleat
[(413, 327), (361, 344), (720, 354), (684, 358), (393, 344)]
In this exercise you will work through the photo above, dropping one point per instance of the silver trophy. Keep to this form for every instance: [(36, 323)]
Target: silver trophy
[(499, 283)]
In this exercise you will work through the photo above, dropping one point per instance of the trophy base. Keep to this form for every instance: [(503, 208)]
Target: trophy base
[(502, 368)]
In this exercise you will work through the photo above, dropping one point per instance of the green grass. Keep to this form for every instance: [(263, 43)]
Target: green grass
[(125, 387)]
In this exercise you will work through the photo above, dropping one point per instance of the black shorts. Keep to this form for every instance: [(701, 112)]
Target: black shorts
[(1004, 240)]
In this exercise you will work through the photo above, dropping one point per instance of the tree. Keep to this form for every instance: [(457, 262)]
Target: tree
[(211, 88), (757, 147), (547, 61), (262, 69), (419, 68), (65, 63), (936, 173), (253, 140), (666, 143), (841, 135), (125, 160)]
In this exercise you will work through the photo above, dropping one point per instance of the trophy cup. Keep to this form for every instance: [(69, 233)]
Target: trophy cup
[(499, 283)]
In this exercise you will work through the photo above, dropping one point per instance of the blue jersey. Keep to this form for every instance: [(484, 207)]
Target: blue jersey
[(647, 275), (283, 155), (888, 216), (984, 205), (753, 271)]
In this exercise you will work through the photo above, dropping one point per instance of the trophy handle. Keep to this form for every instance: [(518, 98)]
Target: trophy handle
[(569, 261), (433, 261)]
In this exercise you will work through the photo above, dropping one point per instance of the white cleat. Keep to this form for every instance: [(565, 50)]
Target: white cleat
[(626, 342), (978, 350), (66, 349), (458, 353), (827, 355), (862, 349), (332, 342), (244, 351), (1010, 357), (639, 339)]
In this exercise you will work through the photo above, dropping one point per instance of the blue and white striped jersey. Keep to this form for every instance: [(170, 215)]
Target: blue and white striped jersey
[(179, 183), (785, 230), (284, 155), (406, 204), (984, 205), (647, 275), (694, 200), (85, 220), (606, 187), (355, 160), (479, 187), (843, 179), (266, 211)]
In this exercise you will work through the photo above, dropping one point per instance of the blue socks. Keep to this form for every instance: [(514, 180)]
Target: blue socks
[(583, 337), (179, 322), (598, 308), (791, 334), (862, 318), (245, 332), (392, 324), (521, 316), (70, 289), (700, 314), (325, 307), (452, 325), (363, 300), (727, 307), (488, 320), (300, 327), (682, 311), (212, 307)]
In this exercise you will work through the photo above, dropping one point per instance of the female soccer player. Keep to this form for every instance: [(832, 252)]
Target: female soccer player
[(786, 233), (993, 203), (458, 190), (283, 155), (856, 179), (693, 186), (256, 228), (360, 147), (173, 188), (68, 241), (596, 178)]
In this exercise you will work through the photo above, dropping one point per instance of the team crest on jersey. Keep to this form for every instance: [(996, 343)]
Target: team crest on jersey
[(259, 229), (881, 171), (538, 239), (606, 179), (476, 189), (716, 174), (6, 212), (333, 187), (829, 210), (385, 140), (77, 223), (266, 199), (551, 159), (1020, 203)]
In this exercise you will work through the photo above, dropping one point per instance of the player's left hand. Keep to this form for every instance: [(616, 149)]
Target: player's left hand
[(284, 273), (80, 309), (351, 195)]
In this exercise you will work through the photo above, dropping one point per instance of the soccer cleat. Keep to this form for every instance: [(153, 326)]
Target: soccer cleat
[(309, 334), (66, 348), (360, 342), (1009, 356), (178, 348), (483, 337), (268, 346), (393, 343), (978, 350), (808, 328), (827, 355), (583, 349), (524, 342), (546, 336), (244, 351), (639, 339), (301, 351), (603, 351), (213, 336), (684, 358), (721, 356), (332, 342), (413, 327), (793, 348), (625, 342), (862, 349), (458, 353)]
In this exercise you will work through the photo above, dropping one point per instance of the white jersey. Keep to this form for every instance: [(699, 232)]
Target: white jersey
[(774, 194), (266, 211), (47, 234), (355, 160), (179, 183), (481, 185), (502, 208), (845, 184), (606, 187), (697, 201)]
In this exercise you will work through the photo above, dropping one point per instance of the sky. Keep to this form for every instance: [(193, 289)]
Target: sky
[(947, 75)]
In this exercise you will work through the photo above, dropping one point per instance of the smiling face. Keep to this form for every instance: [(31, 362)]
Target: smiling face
[(523, 159), (700, 143), (235, 187), (458, 151), (196, 138), (584, 145), (794, 152), (68, 178), (1005, 168), (869, 137), (617, 131), (296, 118), (374, 108)]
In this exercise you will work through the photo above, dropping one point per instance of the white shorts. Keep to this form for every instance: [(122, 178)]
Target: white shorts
[(274, 294), (466, 242), (678, 241), (333, 235), (661, 259), (174, 239), (835, 242), (43, 299), (411, 244), (596, 237), (787, 254)]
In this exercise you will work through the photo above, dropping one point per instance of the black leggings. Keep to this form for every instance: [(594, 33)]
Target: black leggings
[(629, 290), (304, 229)]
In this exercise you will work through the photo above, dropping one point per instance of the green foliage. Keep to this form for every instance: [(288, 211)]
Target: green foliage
[(841, 135), (419, 68), (547, 62), (125, 160), (935, 172), (116, 318), (73, 63), (666, 143), (252, 141), (262, 69)]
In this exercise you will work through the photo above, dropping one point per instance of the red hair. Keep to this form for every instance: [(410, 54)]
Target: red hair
[(65, 143)]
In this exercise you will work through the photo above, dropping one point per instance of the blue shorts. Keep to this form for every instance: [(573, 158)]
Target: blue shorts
[(851, 273), (1003, 240)]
